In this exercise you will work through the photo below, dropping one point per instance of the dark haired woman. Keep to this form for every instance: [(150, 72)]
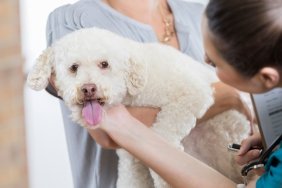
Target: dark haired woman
[(243, 39)]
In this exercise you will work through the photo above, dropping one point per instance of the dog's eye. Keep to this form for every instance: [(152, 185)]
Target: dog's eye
[(104, 65), (74, 68)]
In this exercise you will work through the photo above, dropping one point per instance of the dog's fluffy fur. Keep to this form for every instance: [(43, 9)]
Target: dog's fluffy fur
[(153, 75)]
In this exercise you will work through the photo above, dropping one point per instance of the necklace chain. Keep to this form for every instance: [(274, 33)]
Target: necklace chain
[(168, 27), (167, 21)]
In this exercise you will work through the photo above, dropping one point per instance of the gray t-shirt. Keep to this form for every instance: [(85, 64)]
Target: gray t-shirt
[(91, 165)]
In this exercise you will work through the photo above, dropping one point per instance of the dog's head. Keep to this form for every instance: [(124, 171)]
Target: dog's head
[(91, 68)]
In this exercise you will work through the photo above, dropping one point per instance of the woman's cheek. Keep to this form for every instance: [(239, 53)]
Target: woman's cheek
[(225, 77)]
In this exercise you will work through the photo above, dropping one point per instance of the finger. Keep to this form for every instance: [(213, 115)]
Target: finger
[(251, 142), (259, 171), (249, 156), (245, 146)]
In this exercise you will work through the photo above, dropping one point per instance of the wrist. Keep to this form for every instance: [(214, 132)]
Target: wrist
[(102, 138), (123, 132)]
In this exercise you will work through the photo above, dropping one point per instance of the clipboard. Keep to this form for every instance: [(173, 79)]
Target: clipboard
[(268, 111)]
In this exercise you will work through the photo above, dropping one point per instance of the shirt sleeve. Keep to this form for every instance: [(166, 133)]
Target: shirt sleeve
[(59, 23), (273, 172)]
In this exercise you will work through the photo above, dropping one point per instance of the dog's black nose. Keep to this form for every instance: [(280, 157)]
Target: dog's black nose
[(88, 90)]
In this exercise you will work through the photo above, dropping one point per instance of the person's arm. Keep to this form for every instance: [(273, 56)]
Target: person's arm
[(176, 167), (226, 98), (272, 177), (144, 114), (272, 173)]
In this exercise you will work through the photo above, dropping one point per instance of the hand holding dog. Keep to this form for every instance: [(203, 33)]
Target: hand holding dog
[(117, 123), (116, 118)]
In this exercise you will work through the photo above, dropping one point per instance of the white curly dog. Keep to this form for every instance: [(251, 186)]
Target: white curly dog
[(95, 69)]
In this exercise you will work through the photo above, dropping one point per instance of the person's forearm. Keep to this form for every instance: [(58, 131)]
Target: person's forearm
[(225, 98), (216, 109), (176, 167), (146, 115), (102, 139)]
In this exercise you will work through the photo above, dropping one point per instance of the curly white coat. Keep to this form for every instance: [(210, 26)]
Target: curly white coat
[(153, 75)]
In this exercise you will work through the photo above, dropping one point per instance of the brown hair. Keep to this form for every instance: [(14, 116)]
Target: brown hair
[(247, 33)]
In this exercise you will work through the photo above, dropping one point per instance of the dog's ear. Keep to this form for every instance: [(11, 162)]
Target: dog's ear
[(37, 78), (136, 76)]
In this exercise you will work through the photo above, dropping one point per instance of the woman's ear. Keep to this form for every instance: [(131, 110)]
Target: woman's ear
[(269, 77)]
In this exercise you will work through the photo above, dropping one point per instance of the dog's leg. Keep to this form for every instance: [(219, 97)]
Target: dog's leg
[(173, 124), (132, 173)]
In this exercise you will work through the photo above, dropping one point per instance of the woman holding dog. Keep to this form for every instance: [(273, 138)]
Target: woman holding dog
[(243, 40), (171, 22)]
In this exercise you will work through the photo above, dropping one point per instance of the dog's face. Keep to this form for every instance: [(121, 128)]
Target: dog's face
[(91, 68)]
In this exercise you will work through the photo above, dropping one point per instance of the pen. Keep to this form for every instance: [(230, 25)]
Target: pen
[(236, 147)]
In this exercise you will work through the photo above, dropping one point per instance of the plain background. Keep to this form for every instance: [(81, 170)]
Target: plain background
[(48, 161)]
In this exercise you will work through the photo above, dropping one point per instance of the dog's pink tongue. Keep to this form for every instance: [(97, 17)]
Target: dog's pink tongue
[(92, 112)]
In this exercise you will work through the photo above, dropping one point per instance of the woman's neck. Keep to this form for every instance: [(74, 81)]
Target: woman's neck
[(141, 10), (150, 12)]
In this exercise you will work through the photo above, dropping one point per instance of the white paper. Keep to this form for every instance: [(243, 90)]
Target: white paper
[(268, 107)]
